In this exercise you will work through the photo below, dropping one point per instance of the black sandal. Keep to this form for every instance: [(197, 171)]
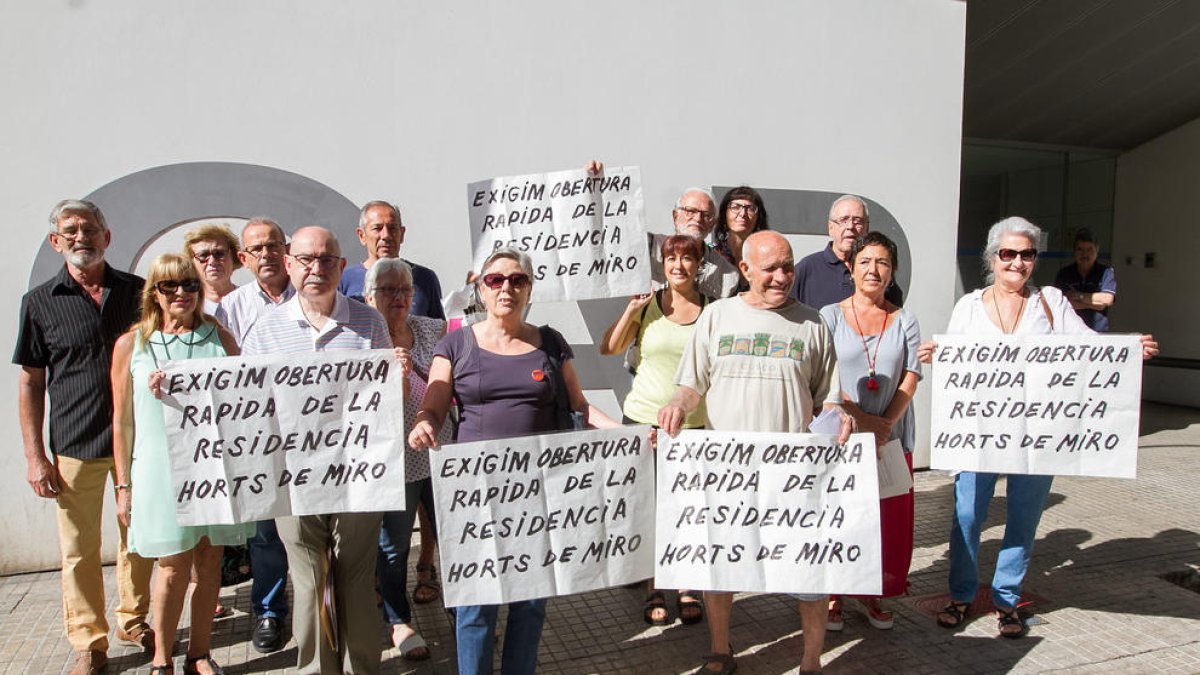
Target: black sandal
[(728, 665), (957, 611), (1008, 618), (691, 610), (189, 665), (426, 590), (656, 600)]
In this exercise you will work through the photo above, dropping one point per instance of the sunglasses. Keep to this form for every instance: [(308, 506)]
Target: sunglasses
[(216, 253), (516, 280), (1008, 254), (170, 286)]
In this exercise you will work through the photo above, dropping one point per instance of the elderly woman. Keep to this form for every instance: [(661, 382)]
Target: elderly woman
[(876, 344), (741, 214), (1008, 306), (388, 288), (213, 250), (505, 375), (661, 324), (173, 326)]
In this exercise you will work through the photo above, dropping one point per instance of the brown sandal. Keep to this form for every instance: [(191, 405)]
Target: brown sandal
[(428, 589), (957, 611)]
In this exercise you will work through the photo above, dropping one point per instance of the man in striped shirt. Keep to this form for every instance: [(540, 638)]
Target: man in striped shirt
[(64, 346), (319, 318)]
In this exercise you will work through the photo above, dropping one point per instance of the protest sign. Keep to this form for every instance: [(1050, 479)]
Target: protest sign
[(1040, 404), (767, 513), (540, 516), (585, 234), (296, 434)]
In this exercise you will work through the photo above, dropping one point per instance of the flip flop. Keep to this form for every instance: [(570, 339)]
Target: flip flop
[(656, 600)]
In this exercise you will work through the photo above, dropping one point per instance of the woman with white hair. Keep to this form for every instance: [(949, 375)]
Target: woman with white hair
[(509, 378), (388, 287), (1008, 306)]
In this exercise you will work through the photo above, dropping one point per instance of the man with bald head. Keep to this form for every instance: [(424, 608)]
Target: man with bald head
[(823, 278), (695, 214), (775, 387), (319, 318)]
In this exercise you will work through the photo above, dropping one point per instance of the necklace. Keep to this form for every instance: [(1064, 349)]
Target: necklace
[(190, 343), (1000, 317), (872, 381)]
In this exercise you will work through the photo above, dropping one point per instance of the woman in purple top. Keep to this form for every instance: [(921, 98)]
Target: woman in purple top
[(504, 381)]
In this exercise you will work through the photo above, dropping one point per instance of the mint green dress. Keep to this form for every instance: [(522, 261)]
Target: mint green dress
[(153, 531)]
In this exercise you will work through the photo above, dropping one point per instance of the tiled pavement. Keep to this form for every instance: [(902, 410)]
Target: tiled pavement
[(1099, 599)]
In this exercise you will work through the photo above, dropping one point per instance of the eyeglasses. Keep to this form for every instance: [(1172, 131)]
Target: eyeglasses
[(323, 261), (849, 221), (259, 250), (1007, 254), (748, 209), (692, 211), (214, 253), (394, 291), (90, 232), (517, 280), (171, 286)]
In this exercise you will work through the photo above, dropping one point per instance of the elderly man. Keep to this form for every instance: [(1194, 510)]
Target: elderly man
[(67, 330), (381, 232), (749, 392), (320, 318), (695, 214), (263, 249), (1091, 287), (823, 278)]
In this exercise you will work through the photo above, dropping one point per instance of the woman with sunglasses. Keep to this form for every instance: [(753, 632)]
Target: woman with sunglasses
[(173, 326), (504, 374), (388, 288), (742, 213), (213, 249), (1008, 306), (662, 323), (876, 344)]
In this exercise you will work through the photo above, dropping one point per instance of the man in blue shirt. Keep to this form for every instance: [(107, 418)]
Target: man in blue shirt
[(381, 232), (823, 278), (1091, 287)]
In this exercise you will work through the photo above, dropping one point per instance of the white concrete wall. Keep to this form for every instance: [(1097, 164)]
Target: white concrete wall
[(411, 101), (1157, 208)]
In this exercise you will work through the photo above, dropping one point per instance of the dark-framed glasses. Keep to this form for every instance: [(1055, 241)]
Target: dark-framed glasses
[(172, 286), (217, 254), (496, 280), (1008, 254), (259, 250), (692, 211), (748, 209)]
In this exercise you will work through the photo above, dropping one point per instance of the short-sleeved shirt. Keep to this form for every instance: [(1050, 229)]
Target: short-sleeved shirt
[(717, 278), (970, 315), (242, 308), (64, 331), (822, 278), (1099, 279), (660, 345), (351, 325), (426, 334), (502, 395), (760, 369), (427, 290)]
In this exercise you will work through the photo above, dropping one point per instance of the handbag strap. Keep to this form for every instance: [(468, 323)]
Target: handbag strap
[(1046, 309)]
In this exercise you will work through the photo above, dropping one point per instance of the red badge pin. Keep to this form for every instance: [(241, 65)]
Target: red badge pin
[(537, 375)]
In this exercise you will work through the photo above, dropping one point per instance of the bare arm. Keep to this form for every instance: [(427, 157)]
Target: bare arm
[(228, 342), (672, 415), (596, 417), (41, 473), (122, 426), (621, 333), (1100, 300), (434, 406)]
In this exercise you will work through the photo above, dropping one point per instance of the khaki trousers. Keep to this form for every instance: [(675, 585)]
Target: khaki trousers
[(355, 541), (80, 507)]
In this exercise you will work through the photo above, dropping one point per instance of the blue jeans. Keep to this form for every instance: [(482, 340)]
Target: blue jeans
[(269, 571), (475, 626), (972, 494), (395, 540)]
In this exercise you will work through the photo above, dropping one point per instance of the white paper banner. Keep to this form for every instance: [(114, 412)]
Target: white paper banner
[(767, 513), (541, 516), (1046, 404), (585, 234), (290, 434)]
